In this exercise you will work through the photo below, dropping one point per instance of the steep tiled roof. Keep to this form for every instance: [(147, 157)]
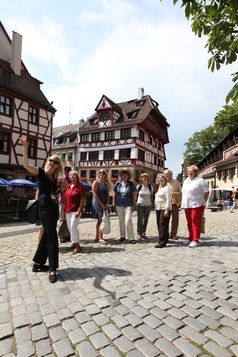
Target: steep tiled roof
[(133, 112), (25, 85), (65, 130)]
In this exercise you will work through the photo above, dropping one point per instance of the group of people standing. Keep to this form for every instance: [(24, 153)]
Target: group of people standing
[(166, 196)]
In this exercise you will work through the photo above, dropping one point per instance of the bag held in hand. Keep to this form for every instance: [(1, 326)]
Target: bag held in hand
[(32, 215), (203, 225), (105, 226), (63, 230)]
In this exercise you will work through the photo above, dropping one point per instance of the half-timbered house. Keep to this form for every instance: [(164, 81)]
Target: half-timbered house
[(130, 134), (65, 144), (24, 111)]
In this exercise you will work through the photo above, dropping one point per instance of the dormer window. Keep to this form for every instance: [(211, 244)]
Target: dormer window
[(133, 114), (104, 116)]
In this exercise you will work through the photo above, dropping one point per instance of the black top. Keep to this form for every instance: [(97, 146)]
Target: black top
[(45, 184)]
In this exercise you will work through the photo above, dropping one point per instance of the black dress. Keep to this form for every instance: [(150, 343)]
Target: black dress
[(49, 214)]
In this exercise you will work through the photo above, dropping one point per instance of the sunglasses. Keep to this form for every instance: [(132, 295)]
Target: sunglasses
[(54, 161), (102, 172)]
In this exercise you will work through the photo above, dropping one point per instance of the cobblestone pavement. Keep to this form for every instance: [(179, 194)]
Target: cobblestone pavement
[(122, 299)]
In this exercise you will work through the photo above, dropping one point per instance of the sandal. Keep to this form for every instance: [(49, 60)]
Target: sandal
[(77, 250), (102, 241), (71, 247)]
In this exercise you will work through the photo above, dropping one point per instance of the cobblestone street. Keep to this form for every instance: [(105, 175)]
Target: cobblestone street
[(122, 299)]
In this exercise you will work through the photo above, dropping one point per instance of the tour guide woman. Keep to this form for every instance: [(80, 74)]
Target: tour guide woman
[(48, 211)]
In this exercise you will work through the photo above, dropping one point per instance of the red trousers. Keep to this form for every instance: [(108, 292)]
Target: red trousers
[(194, 221)]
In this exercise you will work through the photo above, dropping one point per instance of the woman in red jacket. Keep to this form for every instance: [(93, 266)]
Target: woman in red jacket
[(74, 203)]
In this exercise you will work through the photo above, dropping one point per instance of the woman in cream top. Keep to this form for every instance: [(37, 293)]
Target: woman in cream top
[(163, 206)]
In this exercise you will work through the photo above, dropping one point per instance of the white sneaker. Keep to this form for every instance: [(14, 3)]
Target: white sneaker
[(139, 237), (193, 244), (186, 242)]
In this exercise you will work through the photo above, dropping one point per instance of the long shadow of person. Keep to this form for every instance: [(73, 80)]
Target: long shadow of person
[(101, 278)]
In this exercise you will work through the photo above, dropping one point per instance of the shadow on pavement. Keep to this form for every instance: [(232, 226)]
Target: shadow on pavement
[(91, 249), (96, 273)]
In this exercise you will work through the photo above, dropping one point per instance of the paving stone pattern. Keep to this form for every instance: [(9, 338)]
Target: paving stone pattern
[(122, 299)]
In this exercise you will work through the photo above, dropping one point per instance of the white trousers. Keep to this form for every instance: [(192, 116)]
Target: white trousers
[(125, 222), (72, 224)]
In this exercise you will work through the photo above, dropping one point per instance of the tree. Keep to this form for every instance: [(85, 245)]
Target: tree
[(227, 119), (202, 142), (218, 20)]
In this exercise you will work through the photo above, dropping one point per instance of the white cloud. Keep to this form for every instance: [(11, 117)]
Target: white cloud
[(45, 41)]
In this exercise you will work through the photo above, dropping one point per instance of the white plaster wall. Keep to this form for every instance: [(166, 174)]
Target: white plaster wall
[(5, 120), (4, 159), (134, 153), (117, 134), (23, 114)]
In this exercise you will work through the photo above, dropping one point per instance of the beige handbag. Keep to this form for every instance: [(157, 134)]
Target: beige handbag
[(203, 225)]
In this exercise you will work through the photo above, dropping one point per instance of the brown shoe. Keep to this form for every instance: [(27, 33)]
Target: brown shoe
[(160, 245), (174, 237), (71, 247)]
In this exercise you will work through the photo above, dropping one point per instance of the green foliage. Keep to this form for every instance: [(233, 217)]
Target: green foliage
[(179, 177), (202, 142), (218, 20)]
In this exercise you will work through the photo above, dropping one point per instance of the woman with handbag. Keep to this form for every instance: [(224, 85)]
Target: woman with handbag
[(48, 211), (74, 198), (100, 201)]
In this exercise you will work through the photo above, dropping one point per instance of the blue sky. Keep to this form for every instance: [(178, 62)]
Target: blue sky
[(82, 49)]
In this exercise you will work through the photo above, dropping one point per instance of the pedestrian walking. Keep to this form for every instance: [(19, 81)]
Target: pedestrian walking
[(125, 202), (234, 197), (143, 205), (176, 202), (74, 199), (100, 202), (48, 211), (194, 197), (163, 207)]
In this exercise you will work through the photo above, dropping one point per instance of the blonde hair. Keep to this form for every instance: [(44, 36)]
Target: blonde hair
[(74, 173), (159, 176), (59, 168), (193, 168), (102, 170), (144, 174)]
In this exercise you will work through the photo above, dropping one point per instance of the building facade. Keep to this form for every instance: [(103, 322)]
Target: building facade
[(220, 167), (130, 134), (24, 111), (65, 144)]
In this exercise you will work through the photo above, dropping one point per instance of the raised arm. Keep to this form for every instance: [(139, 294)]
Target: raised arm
[(32, 169)]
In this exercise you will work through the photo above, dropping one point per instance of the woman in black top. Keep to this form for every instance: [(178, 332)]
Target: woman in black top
[(48, 211)]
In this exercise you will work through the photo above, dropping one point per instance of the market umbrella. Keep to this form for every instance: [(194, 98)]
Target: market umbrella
[(86, 185), (21, 183), (4, 182)]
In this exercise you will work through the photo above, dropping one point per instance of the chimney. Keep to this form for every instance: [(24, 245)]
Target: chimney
[(16, 53), (140, 93)]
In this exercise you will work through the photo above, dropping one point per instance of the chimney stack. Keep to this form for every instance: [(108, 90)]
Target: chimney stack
[(16, 53), (140, 93)]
